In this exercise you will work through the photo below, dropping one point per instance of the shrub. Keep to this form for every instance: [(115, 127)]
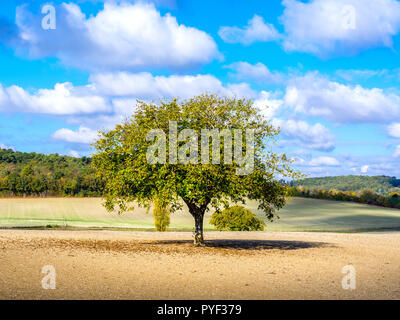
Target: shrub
[(292, 191), (161, 215), (237, 218), (368, 196)]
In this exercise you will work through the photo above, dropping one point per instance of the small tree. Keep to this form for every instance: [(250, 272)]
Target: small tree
[(161, 215), (201, 180), (236, 218)]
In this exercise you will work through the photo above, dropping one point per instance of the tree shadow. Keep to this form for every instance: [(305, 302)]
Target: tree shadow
[(242, 244)]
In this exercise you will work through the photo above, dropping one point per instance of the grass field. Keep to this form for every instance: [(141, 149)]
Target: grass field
[(299, 215)]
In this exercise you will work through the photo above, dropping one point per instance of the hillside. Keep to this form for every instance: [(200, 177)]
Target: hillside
[(379, 184), (35, 174)]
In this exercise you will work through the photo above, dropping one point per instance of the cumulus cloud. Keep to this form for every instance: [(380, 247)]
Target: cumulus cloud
[(316, 136), (117, 92), (256, 30), (394, 130), (82, 135), (257, 72), (318, 96), (120, 36), (64, 99), (335, 27), (268, 105), (324, 161), (146, 86), (124, 88)]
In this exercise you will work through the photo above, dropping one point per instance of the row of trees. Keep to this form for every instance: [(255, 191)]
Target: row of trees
[(379, 184), (366, 196)]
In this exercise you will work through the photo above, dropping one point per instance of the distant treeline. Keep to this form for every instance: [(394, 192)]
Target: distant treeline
[(379, 184), (366, 196), (35, 174)]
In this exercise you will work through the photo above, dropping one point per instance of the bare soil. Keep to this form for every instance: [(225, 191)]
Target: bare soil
[(232, 265)]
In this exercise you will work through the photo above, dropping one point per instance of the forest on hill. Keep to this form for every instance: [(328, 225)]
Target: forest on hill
[(380, 191), (36, 174), (377, 184)]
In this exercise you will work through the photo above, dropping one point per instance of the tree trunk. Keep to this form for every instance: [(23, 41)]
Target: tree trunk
[(198, 233), (198, 215)]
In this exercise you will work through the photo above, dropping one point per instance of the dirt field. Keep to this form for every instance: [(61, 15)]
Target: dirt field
[(147, 265)]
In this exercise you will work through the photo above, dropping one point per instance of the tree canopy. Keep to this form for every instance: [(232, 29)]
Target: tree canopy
[(170, 130)]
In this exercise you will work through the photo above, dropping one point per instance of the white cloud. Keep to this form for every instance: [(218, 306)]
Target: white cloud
[(115, 92), (64, 99), (364, 169), (302, 153), (335, 27), (318, 96), (394, 130), (299, 161), (268, 105), (354, 74), (257, 72), (324, 161), (146, 86), (256, 30), (3, 146), (74, 154), (396, 153), (124, 106), (120, 36), (316, 136), (83, 135)]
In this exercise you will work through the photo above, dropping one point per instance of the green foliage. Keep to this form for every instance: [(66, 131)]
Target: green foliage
[(35, 174), (121, 160), (378, 184), (366, 196), (236, 218), (161, 215)]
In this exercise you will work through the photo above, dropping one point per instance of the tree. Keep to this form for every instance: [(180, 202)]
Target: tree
[(154, 154), (161, 215)]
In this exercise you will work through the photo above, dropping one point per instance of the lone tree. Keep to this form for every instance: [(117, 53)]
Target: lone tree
[(155, 155)]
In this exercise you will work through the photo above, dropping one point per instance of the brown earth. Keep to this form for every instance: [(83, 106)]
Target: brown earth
[(233, 265)]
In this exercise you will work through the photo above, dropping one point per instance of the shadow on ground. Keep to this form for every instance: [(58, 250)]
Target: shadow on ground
[(239, 244), (228, 246)]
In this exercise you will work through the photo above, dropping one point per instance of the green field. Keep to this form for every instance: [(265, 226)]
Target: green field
[(299, 215)]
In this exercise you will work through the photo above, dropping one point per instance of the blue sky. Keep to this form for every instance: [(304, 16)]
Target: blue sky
[(328, 70)]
